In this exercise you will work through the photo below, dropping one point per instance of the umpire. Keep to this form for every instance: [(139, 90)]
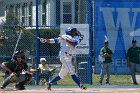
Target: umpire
[(17, 70), (133, 57)]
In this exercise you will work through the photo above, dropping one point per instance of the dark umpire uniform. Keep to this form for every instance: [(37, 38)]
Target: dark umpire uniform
[(133, 56), (17, 70)]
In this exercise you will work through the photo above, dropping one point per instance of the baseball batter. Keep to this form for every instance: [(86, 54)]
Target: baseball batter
[(68, 45)]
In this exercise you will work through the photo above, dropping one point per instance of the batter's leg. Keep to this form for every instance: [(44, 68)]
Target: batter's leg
[(71, 70), (63, 72)]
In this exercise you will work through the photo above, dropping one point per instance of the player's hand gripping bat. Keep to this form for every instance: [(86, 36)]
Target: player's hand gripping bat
[(27, 31), (42, 40)]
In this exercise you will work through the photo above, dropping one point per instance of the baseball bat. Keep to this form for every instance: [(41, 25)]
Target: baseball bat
[(27, 31), (17, 44)]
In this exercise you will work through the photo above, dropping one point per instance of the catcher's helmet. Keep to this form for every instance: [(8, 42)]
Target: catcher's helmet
[(19, 54), (69, 30)]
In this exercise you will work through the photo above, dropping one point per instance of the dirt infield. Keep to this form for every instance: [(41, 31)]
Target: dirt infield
[(73, 90)]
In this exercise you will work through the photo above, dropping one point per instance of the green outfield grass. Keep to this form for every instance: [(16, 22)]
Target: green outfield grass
[(114, 80), (124, 80)]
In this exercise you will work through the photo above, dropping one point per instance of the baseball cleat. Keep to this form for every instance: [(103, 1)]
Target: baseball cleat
[(135, 83), (49, 86), (2, 87), (83, 87), (20, 87), (107, 83)]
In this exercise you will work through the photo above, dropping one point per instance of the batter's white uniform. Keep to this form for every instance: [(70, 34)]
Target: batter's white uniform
[(68, 45), (66, 53)]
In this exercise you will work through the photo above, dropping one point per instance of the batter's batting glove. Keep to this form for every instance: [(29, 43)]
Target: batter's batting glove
[(42, 40)]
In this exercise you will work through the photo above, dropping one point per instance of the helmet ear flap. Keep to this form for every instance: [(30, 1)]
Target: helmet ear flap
[(79, 35)]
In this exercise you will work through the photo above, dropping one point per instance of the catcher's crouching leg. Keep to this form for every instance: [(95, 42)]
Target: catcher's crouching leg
[(8, 80), (20, 85), (5, 83)]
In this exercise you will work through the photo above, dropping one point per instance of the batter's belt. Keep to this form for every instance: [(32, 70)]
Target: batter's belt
[(68, 54)]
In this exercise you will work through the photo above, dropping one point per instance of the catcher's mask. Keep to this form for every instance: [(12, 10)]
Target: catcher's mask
[(19, 54)]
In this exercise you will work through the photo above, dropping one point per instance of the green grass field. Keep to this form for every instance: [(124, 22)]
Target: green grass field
[(123, 80), (114, 80)]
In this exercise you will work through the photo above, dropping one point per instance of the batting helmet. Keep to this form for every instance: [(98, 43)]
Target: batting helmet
[(69, 30), (19, 54)]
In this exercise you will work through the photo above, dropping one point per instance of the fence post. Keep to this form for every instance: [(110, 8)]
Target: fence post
[(89, 19), (37, 43)]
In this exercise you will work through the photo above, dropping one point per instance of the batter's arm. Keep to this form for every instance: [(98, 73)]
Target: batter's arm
[(55, 40), (70, 42)]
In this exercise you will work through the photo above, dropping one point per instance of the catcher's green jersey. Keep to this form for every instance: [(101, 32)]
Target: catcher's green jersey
[(134, 54), (106, 50), (14, 67)]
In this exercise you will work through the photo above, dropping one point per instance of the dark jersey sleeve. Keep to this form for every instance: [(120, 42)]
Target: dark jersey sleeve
[(10, 65)]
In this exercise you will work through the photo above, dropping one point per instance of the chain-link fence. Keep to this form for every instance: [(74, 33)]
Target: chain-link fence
[(44, 18)]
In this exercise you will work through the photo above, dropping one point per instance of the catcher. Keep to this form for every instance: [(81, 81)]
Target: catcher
[(17, 70)]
